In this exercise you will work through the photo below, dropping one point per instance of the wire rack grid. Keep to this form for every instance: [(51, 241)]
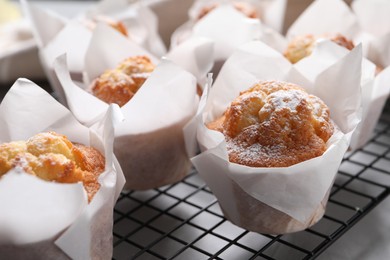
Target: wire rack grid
[(184, 220)]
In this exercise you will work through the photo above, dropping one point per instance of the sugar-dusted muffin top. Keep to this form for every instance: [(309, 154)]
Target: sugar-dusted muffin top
[(119, 85), (274, 124), (245, 8), (302, 46), (52, 157)]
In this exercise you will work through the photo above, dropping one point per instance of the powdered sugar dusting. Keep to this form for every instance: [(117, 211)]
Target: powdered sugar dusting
[(292, 126)]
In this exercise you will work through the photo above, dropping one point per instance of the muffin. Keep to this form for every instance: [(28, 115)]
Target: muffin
[(274, 124), (59, 180), (269, 130), (302, 46), (245, 8), (266, 188), (52, 157), (119, 85)]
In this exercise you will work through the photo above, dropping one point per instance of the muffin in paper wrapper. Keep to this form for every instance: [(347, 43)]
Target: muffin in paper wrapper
[(56, 35), (374, 88), (275, 200), (357, 24), (227, 27), (365, 22), (108, 48), (149, 144), (48, 220)]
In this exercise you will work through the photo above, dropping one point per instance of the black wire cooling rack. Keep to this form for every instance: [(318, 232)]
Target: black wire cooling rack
[(184, 221)]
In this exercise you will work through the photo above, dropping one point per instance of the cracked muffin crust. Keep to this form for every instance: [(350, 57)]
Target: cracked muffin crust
[(52, 157), (274, 124)]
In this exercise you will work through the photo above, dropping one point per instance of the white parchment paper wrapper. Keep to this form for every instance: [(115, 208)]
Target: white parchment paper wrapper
[(366, 22), (271, 12), (51, 220), (56, 35), (275, 200), (228, 27), (374, 88), (321, 17), (108, 48), (358, 24), (195, 56), (374, 22), (149, 144), (138, 18)]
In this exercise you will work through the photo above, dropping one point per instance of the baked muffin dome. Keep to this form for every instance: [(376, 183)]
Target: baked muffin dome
[(302, 46), (275, 124), (52, 157), (120, 84)]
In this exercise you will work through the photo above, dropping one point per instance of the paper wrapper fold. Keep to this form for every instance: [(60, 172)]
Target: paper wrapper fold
[(108, 48), (50, 220), (375, 25), (356, 23), (140, 20), (366, 22), (375, 88), (227, 27), (275, 200), (195, 56), (149, 144), (270, 13), (361, 26), (56, 35)]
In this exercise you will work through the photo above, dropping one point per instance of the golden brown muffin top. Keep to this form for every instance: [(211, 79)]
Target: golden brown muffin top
[(120, 84), (275, 124), (245, 8), (302, 46), (52, 157)]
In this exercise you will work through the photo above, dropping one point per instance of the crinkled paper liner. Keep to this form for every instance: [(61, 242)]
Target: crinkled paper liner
[(56, 35), (89, 235), (108, 48), (271, 13), (227, 27), (155, 155), (153, 159), (356, 23), (101, 242), (275, 200), (366, 22), (249, 212), (149, 144), (266, 219)]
